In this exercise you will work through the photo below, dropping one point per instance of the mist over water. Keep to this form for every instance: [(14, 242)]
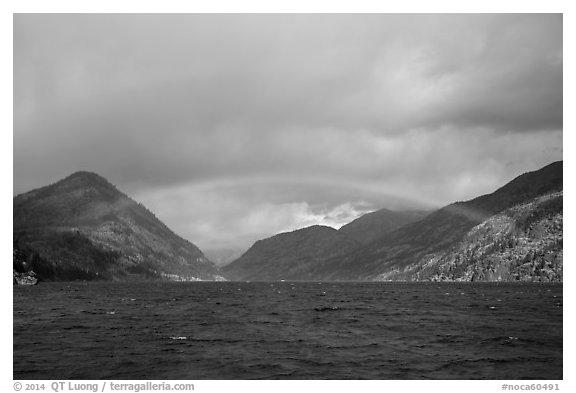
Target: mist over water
[(228, 330)]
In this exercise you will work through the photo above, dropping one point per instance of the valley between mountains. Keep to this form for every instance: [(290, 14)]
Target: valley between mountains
[(83, 228)]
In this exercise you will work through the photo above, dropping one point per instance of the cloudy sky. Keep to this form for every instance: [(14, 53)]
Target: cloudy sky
[(235, 127)]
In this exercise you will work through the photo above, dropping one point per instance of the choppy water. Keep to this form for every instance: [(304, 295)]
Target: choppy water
[(288, 331)]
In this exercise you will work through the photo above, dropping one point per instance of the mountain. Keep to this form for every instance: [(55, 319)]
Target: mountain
[(375, 225), (82, 227), (291, 255), (396, 255), (523, 243), (222, 257), (514, 233)]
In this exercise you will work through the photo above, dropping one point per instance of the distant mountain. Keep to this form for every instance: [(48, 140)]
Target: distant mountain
[(395, 255), (222, 257), (291, 255), (82, 227), (491, 237), (375, 225)]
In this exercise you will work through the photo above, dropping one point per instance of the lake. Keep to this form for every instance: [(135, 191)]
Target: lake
[(287, 330)]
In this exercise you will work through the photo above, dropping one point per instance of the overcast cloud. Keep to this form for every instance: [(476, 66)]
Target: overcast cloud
[(235, 127)]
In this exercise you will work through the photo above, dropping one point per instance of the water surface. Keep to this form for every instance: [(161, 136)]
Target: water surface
[(228, 330)]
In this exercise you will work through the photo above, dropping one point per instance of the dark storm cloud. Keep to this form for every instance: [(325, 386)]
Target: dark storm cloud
[(302, 115)]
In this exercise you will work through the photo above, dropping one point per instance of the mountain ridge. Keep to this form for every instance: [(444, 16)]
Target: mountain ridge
[(376, 224), (67, 225), (522, 243), (446, 226), (83, 227), (409, 245), (291, 253)]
